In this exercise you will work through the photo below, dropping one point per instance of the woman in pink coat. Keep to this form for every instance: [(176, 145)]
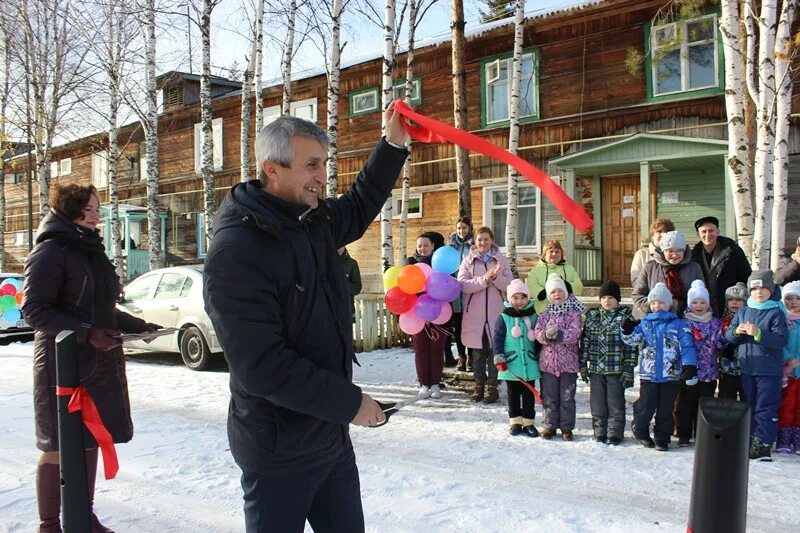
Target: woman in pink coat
[(484, 275)]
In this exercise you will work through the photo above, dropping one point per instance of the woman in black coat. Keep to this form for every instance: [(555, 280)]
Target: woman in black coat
[(71, 285)]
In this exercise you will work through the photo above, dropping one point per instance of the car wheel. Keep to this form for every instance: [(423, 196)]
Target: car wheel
[(194, 349)]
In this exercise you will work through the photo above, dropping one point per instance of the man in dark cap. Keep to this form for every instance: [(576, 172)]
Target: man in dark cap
[(722, 260), (791, 270)]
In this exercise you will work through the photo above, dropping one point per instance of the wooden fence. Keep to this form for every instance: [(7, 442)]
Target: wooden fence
[(375, 326)]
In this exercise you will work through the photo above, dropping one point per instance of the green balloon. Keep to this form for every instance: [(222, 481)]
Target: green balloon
[(7, 302)]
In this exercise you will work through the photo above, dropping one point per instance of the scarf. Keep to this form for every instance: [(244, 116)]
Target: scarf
[(674, 283), (705, 317), (769, 304), (570, 304), (792, 318)]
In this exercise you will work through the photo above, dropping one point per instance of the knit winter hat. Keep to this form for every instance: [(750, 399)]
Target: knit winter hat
[(610, 288), (554, 282), (672, 240), (736, 292), (698, 291), (517, 286), (761, 278), (791, 289), (661, 293)]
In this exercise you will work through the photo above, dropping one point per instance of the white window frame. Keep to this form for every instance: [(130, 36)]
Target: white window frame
[(20, 238), (679, 28), (65, 166), (142, 161), (216, 138), (53, 169), (496, 76), (273, 112), (397, 205), (100, 169), (489, 221)]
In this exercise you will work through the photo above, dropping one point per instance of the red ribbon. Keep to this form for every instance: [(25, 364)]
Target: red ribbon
[(81, 401), (428, 130), (503, 367)]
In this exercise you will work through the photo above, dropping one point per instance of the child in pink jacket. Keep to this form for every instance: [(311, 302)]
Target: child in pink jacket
[(558, 329)]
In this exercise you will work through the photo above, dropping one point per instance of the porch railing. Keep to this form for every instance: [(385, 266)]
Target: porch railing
[(588, 263), (137, 263), (375, 326)]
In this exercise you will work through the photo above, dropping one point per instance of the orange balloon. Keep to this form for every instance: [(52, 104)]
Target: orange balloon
[(411, 280), (19, 297)]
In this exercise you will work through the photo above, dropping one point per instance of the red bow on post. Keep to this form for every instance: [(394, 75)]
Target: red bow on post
[(428, 130), (80, 400)]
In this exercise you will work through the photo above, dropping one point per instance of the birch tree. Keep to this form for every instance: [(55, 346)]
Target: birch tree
[(206, 137), (737, 160), (258, 72), (253, 63), (288, 53), (783, 111), (387, 246), (513, 138), (403, 230), (457, 26), (5, 145), (334, 67), (149, 121)]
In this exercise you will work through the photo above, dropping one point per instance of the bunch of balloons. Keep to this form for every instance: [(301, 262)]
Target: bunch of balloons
[(10, 300), (420, 293)]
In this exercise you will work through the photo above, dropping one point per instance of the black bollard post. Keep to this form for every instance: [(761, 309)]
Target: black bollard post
[(75, 511), (721, 467)]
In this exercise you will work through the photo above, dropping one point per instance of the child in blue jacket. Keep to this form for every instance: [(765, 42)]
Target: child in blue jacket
[(789, 412), (516, 354), (760, 331), (667, 357)]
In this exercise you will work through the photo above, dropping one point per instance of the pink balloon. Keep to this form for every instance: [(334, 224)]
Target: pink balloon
[(411, 323), (425, 269), (445, 315)]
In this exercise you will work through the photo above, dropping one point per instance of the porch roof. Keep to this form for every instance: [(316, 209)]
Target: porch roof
[(663, 152)]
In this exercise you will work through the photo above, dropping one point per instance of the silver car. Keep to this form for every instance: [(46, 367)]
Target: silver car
[(173, 297)]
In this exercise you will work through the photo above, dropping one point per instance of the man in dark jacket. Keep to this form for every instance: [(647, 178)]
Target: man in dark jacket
[(791, 270), (276, 293), (723, 262)]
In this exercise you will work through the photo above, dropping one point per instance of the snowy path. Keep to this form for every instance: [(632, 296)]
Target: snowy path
[(446, 465)]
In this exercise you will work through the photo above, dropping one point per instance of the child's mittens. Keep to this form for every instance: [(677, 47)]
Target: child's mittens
[(551, 331), (628, 325), (627, 378), (689, 375), (500, 362), (542, 296)]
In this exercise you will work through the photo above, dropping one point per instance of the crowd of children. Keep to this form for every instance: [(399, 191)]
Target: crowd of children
[(751, 354)]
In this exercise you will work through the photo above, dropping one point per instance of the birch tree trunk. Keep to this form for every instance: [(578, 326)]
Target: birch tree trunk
[(463, 178), (258, 69), (287, 59), (763, 171), (735, 94), (5, 147), (247, 89), (513, 138), (406, 190), (783, 111), (115, 23), (207, 141), (387, 246), (150, 126), (334, 70)]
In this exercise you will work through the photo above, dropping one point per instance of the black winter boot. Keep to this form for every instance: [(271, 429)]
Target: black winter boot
[(759, 450), (48, 497)]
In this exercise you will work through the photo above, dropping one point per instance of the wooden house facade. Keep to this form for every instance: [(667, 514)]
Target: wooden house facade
[(629, 146)]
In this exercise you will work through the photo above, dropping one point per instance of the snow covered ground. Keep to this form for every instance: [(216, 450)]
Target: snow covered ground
[(441, 465)]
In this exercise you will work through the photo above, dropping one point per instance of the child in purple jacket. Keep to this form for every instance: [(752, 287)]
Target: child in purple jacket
[(708, 340), (558, 329)]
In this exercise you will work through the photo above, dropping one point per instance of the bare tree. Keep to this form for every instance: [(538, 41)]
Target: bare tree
[(253, 63), (288, 53), (257, 74), (513, 138), (387, 247), (334, 69), (457, 26), (207, 146), (5, 145)]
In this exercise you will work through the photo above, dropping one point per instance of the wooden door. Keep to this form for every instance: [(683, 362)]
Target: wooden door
[(621, 226)]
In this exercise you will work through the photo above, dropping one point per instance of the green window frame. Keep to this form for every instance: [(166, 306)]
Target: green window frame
[(688, 38), (492, 68), (399, 90), (356, 95)]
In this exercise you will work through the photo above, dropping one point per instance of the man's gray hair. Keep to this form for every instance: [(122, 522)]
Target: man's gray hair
[(274, 141)]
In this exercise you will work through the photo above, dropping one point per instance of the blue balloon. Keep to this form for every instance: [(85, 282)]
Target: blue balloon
[(446, 259), (12, 315)]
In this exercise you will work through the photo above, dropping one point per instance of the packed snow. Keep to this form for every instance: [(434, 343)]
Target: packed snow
[(439, 465)]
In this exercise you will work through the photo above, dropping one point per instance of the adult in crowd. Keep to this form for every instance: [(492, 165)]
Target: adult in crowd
[(278, 299), (462, 240), (552, 260), (672, 265), (659, 226), (722, 261), (353, 276), (484, 275), (791, 270), (428, 343), (71, 285)]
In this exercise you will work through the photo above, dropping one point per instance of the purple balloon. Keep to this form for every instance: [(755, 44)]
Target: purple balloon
[(427, 308), (438, 285), (454, 290)]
